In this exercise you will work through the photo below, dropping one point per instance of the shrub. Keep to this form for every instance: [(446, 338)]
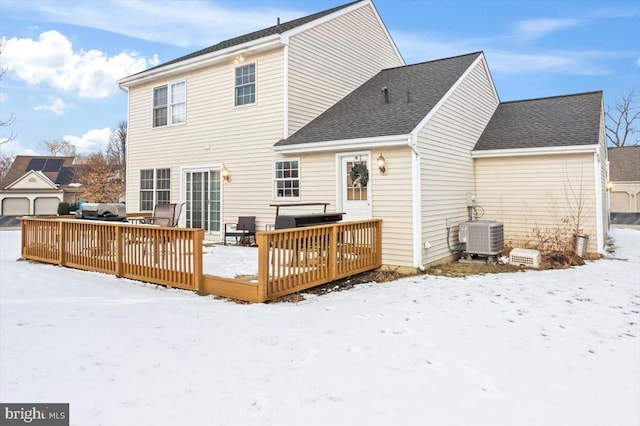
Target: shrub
[(64, 209)]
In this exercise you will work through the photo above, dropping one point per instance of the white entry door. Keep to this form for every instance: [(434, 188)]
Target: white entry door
[(355, 187)]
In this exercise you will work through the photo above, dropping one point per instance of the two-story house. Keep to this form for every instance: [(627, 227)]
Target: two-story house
[(323, 109)]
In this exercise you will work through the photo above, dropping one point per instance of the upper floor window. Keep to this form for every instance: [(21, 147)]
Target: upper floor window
[(287, 179), (169, 104), (245, 84)]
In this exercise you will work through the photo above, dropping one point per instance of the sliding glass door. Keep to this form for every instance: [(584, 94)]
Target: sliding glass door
[(203, 199)]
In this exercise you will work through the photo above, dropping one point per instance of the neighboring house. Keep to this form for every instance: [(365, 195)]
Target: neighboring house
[(35, 185), (624, 180), (304, 112)]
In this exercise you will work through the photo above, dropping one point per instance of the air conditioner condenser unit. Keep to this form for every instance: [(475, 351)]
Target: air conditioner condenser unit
[(483, 237)]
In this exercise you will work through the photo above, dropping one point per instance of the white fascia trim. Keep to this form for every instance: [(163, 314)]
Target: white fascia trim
[(518, 152), (446, 96), (201, 60), (493, 86), (285, 64), (345, 144), (302, 28)]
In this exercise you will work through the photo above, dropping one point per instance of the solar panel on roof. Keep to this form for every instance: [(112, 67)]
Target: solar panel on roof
[(53, 165), (36, 164), (66, 175)]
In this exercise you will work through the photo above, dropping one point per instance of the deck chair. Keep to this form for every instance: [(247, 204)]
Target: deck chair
[(244, 230), (163, 215)]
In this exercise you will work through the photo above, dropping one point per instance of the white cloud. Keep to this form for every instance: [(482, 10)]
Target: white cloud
[(92, 141), (3, 97), (536, 28), (51, 60), (179, 23), (56, 106), (14, 147), (418, 47)]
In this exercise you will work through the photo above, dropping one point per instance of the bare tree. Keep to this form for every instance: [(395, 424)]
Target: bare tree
[(12, 118), (6, 160), (117, 147), (100, 179), (58, 147), (623, 121)]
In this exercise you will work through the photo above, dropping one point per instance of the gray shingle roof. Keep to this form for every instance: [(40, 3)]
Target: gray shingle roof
[(276, 29), (413, 91), (624, 164), (546, 122)]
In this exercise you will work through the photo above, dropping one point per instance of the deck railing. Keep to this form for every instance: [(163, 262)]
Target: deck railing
[(161, 255), (289, 260)]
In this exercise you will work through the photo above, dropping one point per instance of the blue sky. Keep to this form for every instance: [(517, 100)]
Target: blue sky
[(63, 57)]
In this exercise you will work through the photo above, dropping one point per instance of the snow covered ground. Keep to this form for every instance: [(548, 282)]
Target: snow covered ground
[(537, 347)]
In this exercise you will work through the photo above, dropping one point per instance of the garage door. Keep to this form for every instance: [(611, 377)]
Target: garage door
[(619, 202), (15, 206), (46, 206)]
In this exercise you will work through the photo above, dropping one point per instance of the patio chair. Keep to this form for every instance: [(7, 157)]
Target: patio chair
[(245, 229), (164, 214)]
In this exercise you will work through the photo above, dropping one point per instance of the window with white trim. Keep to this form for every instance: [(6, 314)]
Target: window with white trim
[(155, 188), (245, 84), (287, 178), (169, 104)]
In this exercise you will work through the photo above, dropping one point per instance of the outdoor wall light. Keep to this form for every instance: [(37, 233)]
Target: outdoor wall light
[(382, 164), (239, 58), (226, 174)]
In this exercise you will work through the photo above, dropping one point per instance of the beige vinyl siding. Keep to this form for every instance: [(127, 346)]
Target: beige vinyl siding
[(330, 60), (447, 173), (537, 195), (392, 202), (391, 196), (215, 132)]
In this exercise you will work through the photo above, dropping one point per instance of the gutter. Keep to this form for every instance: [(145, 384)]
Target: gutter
[(518, 152)]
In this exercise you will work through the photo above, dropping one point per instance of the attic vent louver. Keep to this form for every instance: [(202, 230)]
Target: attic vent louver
[(386, 95)]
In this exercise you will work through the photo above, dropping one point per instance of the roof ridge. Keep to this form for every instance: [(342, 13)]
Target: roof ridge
[(568, 95), (434, 60)]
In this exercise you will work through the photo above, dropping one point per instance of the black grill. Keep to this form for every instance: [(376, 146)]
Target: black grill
[(113, 212), (300, 220)]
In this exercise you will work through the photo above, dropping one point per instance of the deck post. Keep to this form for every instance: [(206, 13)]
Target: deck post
[(119, 251), (333, 253), (62, 243), (198, 238), (378, 225), (263, 266)]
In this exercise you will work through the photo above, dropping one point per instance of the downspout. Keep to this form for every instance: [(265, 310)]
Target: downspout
[(416, 202), (599, 202)]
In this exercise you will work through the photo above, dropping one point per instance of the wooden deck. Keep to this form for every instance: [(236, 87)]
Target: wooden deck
[(289, 260)]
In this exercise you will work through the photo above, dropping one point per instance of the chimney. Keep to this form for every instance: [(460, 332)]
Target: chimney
[(278, 24)]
